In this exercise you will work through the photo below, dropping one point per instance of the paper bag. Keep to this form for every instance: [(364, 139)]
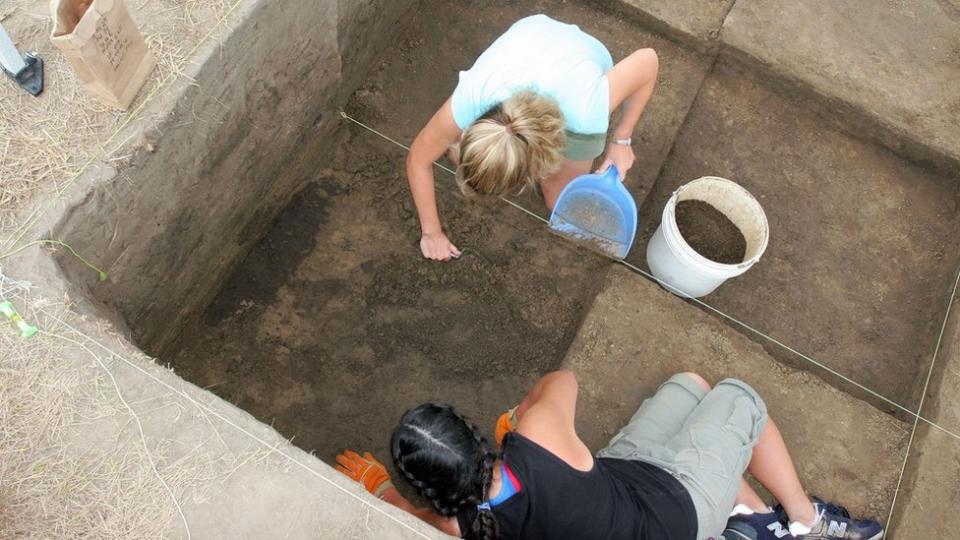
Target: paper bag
[(104, 46)]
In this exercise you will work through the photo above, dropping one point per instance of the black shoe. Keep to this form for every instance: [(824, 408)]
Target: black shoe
[(756, 527), (834, 523)]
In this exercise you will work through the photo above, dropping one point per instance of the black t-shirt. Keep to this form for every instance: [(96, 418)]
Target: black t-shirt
[(616, 500)]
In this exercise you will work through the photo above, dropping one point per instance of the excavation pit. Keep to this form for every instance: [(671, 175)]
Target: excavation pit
[(279, 266), (266, 249)]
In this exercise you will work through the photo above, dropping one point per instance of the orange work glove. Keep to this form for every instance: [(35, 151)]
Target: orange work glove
[(366, 470), (505, 424)]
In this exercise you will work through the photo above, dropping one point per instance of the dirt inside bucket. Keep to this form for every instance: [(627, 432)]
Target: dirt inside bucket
[(710, 232)]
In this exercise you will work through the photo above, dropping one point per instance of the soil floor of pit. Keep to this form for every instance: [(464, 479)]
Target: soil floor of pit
[(335, 325)]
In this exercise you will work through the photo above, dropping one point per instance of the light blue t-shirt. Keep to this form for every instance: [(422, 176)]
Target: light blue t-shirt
[(549, 58)]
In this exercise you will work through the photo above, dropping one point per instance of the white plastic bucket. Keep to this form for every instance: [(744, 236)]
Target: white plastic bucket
[(677, 266)]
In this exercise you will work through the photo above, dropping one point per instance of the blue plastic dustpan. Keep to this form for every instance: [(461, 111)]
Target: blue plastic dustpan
[(598, 212)]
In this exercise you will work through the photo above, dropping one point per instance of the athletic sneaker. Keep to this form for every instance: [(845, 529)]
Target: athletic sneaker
[(747, 525), (834, 523)]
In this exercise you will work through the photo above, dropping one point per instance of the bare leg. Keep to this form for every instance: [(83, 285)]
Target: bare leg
[(700, 380), (748, 497), (773, 467), (555, 183)]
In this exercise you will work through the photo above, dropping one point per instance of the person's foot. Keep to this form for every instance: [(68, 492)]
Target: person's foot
[(834, 523), (747, 525)]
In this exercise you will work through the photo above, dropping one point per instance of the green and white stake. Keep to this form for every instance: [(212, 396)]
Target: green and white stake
[(27, 330)]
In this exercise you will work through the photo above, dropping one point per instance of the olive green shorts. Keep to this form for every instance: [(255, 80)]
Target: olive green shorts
[(584, 147), (704, 439)]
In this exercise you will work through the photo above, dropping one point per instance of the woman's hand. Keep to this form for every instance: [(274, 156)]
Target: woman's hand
[(366, 470), (620, 155), (432, 141), (436, 246)]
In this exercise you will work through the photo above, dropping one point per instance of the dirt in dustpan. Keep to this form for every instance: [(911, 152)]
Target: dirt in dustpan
[(589, 221)]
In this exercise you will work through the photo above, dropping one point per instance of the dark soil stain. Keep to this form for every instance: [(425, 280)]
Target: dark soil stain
[(278, 253)]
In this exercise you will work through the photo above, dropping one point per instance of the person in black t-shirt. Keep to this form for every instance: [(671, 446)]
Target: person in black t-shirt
[(675, 471)]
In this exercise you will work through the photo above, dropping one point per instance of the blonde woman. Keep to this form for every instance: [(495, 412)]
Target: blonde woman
[(534, 110)]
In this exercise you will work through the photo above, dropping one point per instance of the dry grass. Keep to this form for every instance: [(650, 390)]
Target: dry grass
[(59, 481), (45, 142), (56, 480), (51, 486)]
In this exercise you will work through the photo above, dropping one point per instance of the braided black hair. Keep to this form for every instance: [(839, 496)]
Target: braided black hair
[(446, 458)]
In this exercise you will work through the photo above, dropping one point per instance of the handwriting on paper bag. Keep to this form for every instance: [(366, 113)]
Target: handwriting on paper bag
[(111, 44)]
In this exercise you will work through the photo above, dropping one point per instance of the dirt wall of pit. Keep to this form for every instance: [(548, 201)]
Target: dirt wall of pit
[(207, 179), (213, 157), (930, 484)]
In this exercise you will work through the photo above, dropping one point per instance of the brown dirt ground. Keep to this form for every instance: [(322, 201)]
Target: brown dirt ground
[(334, 324)]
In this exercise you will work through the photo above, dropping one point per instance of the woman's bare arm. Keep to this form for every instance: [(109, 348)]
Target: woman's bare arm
[(632, 81), (432, 141), (631, 84), (546, 416), (445, 524)]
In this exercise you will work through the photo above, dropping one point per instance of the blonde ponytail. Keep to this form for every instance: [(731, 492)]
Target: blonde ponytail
[(517, 144)]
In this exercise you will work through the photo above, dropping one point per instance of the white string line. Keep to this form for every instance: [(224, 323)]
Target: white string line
[(779, 343), (346, 116), (36, 214), (20, 287), (923, 396), (914, 414), (136, 418), (224, 419)]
